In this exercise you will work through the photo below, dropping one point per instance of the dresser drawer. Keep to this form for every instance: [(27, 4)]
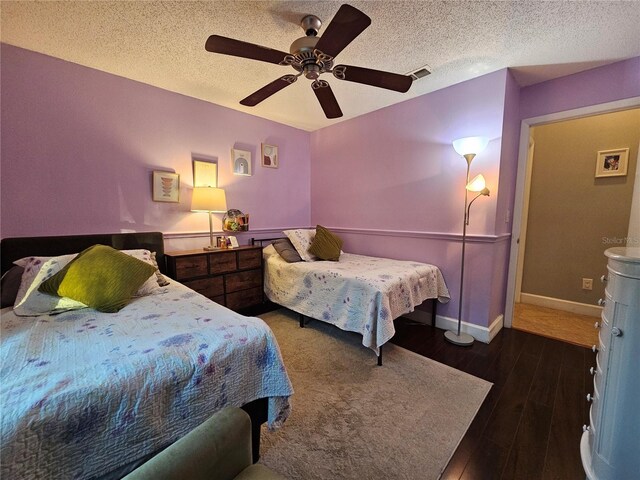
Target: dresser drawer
[(229, 277), (222, 263), (249, 259), (243, 280), (209, 287), (244, 298), (192, 266)]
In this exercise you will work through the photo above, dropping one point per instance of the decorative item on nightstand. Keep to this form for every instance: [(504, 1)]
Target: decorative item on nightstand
[(235, 221), (467, 147), (210, 200)]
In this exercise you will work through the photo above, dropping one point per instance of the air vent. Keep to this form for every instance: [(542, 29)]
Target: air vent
[(420, 72)]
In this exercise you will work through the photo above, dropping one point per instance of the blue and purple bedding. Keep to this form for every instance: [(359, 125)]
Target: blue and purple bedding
[(83, 392)]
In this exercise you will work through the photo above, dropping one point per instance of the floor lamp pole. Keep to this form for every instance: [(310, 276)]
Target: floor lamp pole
[(460, 338)]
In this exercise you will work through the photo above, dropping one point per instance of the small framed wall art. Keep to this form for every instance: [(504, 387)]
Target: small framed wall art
[(205, 173), (612, 163), (166, 187), (241, 162), (269, 156)]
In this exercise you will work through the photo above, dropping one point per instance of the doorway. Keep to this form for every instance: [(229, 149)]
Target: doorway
[(550, 251)]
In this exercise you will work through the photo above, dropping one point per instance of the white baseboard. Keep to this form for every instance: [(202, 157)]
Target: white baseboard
[(482, 334), (564, 305)]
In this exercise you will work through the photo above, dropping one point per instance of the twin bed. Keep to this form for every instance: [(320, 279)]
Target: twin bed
[(86, 394), (93, 395), (358, 293)]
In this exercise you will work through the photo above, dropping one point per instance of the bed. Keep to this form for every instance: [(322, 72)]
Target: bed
[(92, 395), (357, 293)]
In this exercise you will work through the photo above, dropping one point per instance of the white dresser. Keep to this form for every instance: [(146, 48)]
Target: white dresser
[(610, 445)]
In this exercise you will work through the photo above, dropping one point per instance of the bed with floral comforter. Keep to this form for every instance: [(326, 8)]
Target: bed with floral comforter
[(84, 392), (358, 293)]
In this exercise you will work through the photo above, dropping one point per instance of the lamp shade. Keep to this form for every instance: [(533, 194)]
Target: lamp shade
[(208, 199), (470, 145), (477, 184)]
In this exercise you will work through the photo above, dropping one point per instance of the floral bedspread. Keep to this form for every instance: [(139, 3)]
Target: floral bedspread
[(358, 293), (84, 392)]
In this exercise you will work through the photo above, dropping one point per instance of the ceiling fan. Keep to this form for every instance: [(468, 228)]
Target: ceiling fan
[(312, 56)]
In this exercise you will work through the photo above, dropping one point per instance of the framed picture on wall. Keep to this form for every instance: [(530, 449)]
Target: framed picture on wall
[(205, 173), (241, 162), (166, 187), (612, 163), (269, 156)]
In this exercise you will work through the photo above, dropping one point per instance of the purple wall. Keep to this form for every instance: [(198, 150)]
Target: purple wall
[(599, 85), (506, 189), (393, 185), (79, 146)]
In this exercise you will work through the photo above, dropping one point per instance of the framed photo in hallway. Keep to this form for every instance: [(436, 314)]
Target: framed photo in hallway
[(612, 163)]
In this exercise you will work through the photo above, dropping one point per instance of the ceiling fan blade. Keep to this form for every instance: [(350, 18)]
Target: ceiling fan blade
[(268, 90), (237, 48), (375, 78), (327, 99), (347, 24)]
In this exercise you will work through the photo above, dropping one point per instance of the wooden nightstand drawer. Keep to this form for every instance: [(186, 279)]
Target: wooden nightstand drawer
[(249, 259), (244, 298), (232, 277), (192, 266), (209, 287), (222, 263), (243, 280)]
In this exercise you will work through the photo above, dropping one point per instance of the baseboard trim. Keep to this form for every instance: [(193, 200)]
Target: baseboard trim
[(482, 334), (559, 304)]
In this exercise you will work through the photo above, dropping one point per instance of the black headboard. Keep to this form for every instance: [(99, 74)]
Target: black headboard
[(12, 249), (264, 241)]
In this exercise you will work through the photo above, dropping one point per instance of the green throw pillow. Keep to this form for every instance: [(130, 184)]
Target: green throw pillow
[(100, 277), (326, 245)]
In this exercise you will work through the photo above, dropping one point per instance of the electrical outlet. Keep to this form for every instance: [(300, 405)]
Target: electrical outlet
[(587, 283)]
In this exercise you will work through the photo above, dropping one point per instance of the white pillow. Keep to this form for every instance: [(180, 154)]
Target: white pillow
[(301, 240), (29, 301)]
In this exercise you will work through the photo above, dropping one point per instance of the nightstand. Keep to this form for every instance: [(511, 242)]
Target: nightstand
[(231, 277)]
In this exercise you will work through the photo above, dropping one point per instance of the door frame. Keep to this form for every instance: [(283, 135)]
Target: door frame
[(519, 203)]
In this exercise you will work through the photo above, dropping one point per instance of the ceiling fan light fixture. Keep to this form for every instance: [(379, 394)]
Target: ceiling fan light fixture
[(312, 71), (303, 44)]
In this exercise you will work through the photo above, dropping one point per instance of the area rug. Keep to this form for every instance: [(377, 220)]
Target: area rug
[(351, 419)]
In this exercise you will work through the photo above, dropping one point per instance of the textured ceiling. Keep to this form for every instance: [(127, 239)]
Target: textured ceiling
[(162, 44)]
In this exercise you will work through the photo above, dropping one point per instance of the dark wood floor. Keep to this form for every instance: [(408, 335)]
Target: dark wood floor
[(530, 424)]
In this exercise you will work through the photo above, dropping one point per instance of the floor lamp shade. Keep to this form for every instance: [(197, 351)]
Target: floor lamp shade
[(210, 200), (470, 145)]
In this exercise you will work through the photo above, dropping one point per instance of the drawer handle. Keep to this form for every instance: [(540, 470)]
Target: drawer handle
[(594, 349), (596, 325), (603, 279), (586, 428), (616, 332), (589, 397), (592, 370), (601, 302)]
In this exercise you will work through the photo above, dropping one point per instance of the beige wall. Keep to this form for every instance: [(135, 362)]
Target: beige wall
[(573, 216)]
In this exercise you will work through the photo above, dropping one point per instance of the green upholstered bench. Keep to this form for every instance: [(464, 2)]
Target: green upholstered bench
[(218, 449)]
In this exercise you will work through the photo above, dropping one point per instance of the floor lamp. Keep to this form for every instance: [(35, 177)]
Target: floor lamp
[(210, 200), (467, 147)]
